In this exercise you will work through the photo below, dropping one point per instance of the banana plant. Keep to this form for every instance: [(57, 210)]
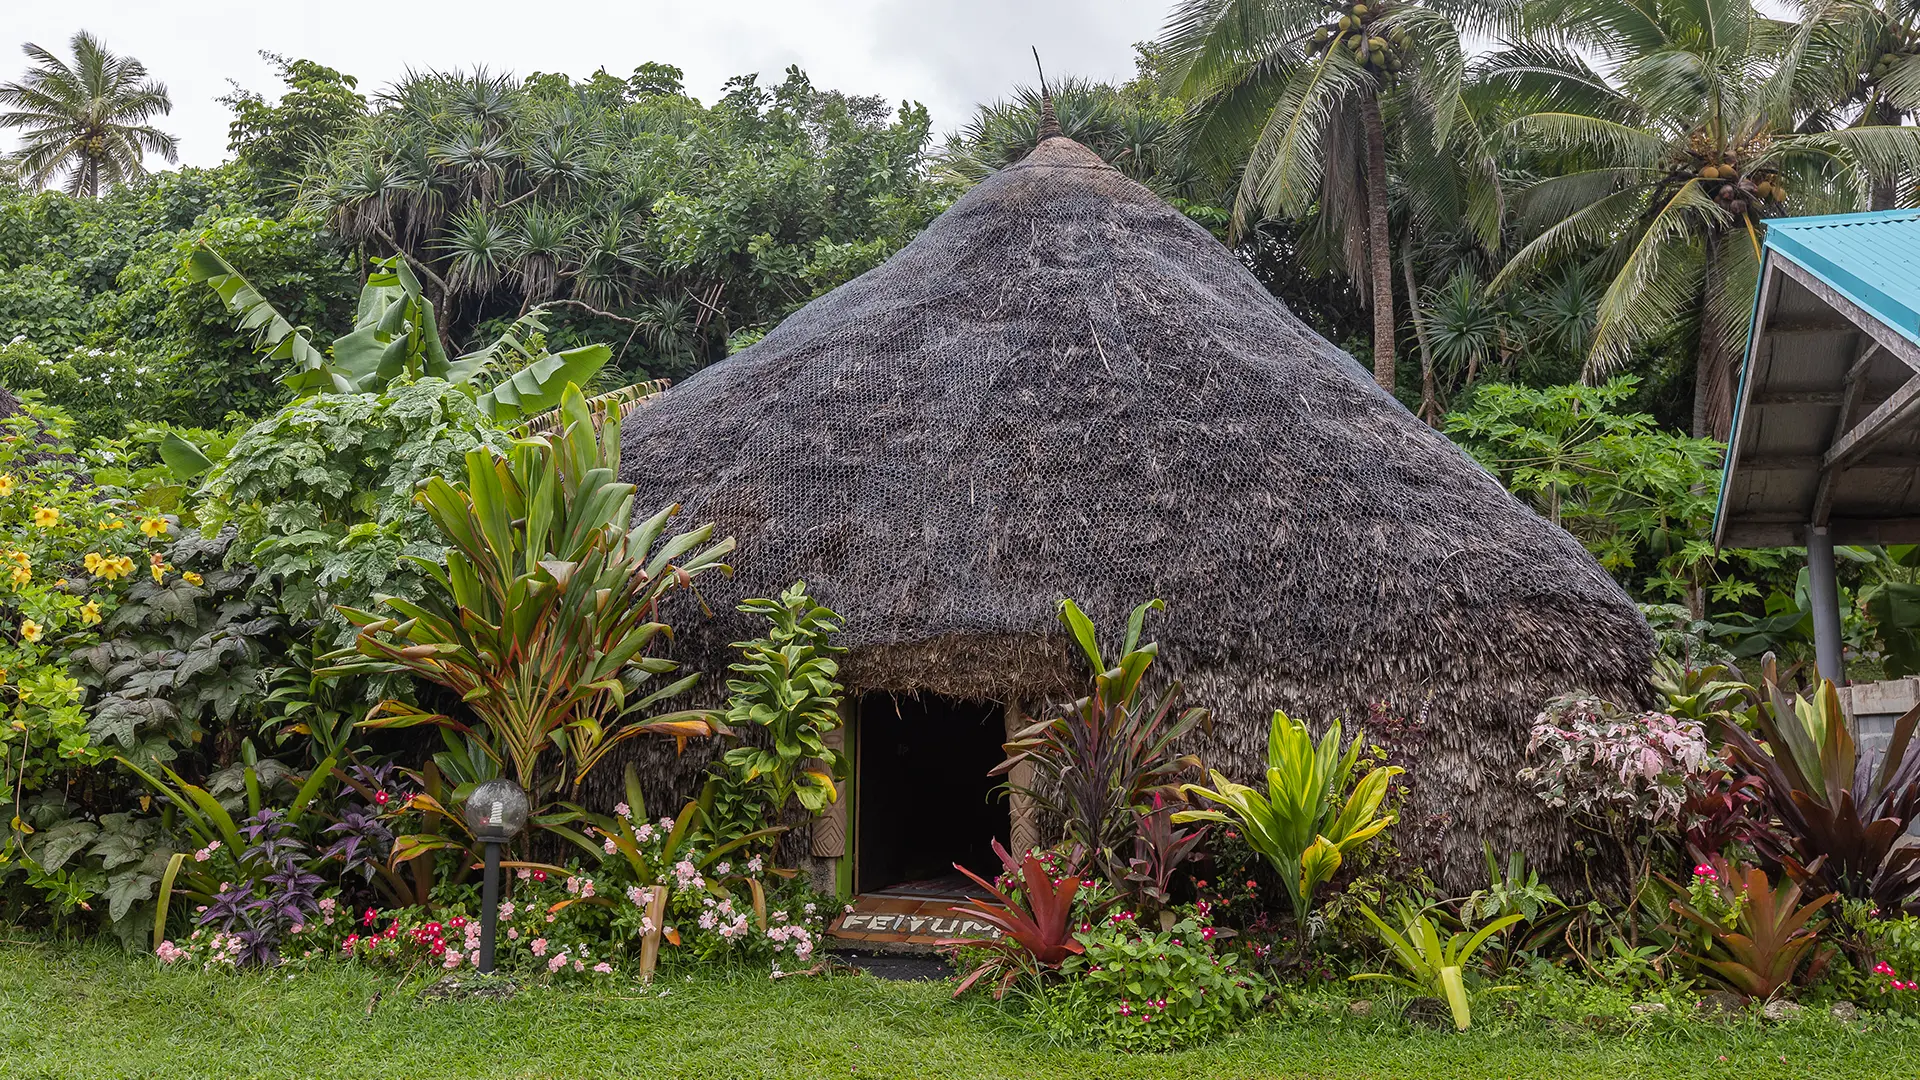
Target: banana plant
[(396, 333), (1302, 825), (541, 618), (1433, 965)]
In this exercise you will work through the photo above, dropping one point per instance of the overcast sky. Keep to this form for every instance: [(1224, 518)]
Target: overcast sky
[(948, 54)]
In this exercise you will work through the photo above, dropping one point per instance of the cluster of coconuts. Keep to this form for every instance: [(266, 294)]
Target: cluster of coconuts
[(1895, 45), (1736, 192), (1353, 29)]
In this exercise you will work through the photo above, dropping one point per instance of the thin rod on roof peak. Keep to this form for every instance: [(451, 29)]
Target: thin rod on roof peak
[(1049, 123)]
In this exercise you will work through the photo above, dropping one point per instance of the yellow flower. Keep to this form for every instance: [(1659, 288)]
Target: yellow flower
[(19, 558), (153, 526), (31, 630), (111, 524), (111, 567), (21, 575), (192, 578), (90, 612), (93, 562), (6, 486), (46, 516), (159, 570)]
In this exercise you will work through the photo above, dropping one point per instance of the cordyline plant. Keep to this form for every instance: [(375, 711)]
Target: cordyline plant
[(1833, 802), (1107, 754), (1313, 813), (1036, 927), (543, 614)]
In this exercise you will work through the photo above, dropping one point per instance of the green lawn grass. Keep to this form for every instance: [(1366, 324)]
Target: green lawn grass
[(90, 1013)]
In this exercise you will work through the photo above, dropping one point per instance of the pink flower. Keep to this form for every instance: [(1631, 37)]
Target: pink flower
[(539, 946), (603, 968), (557, 963), (525, 873), (621, 809), (452, 961), (513, 934)]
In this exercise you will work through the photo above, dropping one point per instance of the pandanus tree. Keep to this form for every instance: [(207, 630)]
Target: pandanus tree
[(1302, 95), (1664, 161), (89, 119)]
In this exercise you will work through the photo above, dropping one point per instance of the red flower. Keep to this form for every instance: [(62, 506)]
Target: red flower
[(367, 919), (457, 921), (539, 875), (439, 948), (380, 798)]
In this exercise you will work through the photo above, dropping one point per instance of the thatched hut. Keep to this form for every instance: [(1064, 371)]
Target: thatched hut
[(1065, 388)]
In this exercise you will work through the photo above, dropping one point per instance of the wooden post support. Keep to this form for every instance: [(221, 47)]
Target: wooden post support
[(830, 828), (1823, 595), (1023, 832), (650, 945)]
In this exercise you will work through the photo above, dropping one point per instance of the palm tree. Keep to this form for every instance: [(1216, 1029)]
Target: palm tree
[(1303, 92), (88, 119), (1662, 164), (1864, 56)]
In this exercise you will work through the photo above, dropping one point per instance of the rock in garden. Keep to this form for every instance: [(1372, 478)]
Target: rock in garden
[(1428, 1012), (1846, 1012), (1782, 1010), (1363, 1007), (1648, 1008), (1721, 1005)]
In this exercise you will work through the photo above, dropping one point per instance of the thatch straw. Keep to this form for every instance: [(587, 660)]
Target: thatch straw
[(1064, 387)]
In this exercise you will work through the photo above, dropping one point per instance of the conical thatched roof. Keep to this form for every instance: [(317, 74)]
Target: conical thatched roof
[(1064, 387)]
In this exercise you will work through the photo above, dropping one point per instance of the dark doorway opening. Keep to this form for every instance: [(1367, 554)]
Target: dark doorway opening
[(925, 800)]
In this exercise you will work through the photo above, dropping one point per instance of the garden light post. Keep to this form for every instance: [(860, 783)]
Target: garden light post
[(496, 812)]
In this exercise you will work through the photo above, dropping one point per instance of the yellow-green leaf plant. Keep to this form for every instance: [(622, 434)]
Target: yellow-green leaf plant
[(788, 685), (1433, 965), (1313, 813), (542, 617)]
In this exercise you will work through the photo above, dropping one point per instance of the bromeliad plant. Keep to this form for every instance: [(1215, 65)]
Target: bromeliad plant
[(1314, 811), (1037, 926), (1108, 753), (1434, 965), (1757, 937), (542, 618), (1841, 814)]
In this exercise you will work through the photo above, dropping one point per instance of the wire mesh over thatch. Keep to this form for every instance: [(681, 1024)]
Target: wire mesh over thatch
[(1064, 387)]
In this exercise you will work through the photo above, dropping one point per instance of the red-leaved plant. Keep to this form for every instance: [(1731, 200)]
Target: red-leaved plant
[(1772, 934), (1036, 927)]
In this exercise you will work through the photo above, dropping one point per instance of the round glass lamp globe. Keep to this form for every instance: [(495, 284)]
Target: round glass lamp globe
[(497, 809)]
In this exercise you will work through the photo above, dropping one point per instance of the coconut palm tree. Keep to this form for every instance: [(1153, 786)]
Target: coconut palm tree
[(1663, 162), (88, 119), (1864, 56), (1303, 93)]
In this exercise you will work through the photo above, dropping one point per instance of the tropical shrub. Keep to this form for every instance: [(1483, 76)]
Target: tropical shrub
[(397, 336), (69, 554), (1314, 811), (1750, 935), (1109, 753), (1035, 922), (320, 494), (1434, 965), (1841, 817), (186, 658), (542, 618), (1626, 773), (1159, 849), (1148, 988), (786, 685)]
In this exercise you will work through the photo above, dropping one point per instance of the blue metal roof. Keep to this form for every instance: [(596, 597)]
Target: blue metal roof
[(1872, 259)]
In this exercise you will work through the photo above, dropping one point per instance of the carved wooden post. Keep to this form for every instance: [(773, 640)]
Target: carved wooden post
[(830, 828), (1023, 831)]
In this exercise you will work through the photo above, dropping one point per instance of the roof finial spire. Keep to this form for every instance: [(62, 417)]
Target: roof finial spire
[(1049, 123)]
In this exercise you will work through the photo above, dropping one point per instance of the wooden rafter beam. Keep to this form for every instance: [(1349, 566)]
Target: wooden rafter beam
[(1852, 392), (1884, 420)]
